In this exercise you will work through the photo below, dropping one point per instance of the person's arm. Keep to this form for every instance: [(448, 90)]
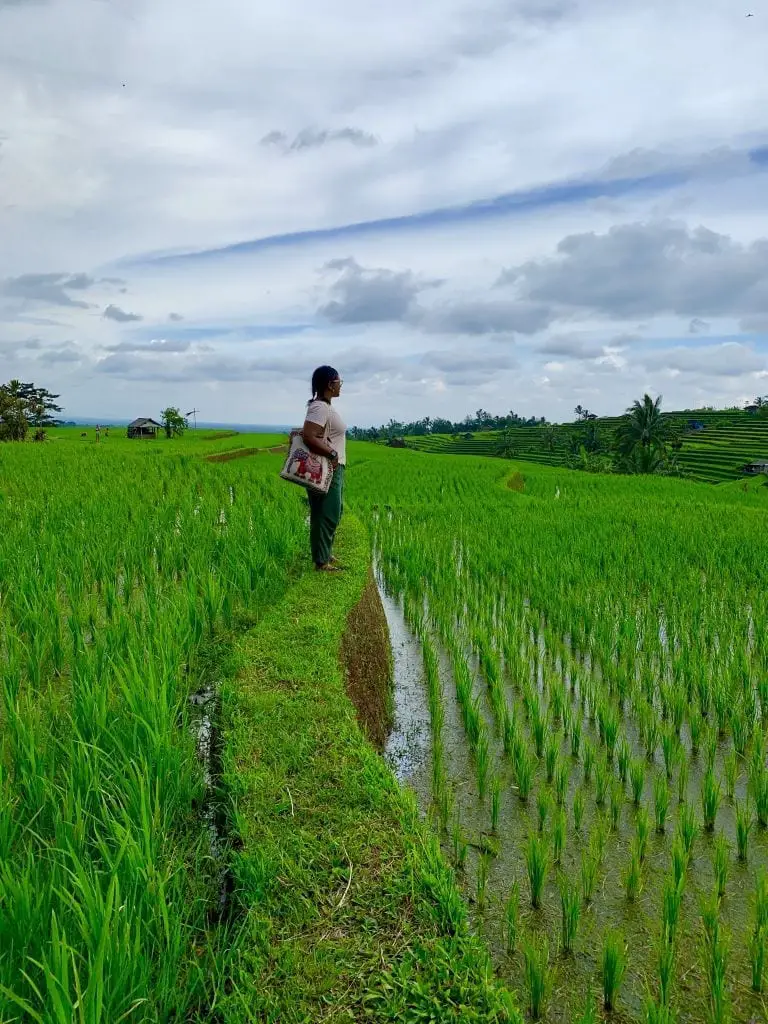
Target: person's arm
[(313, 434)]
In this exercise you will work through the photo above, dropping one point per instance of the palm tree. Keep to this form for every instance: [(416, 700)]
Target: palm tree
[(643, 426)]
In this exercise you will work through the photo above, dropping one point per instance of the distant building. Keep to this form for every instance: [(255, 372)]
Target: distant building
[(696, 425), (144, 426), (755, 468), (396, 442)]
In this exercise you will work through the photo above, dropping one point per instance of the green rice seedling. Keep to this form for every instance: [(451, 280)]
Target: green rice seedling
[(562, 779), (757, 957), (695, 724), (543, 804), (666, 970), (710, 799), (682, 781), (761, 899), (559, 832), (710, 749), (637, 781), (459, 844), (716, 970), (550, 757), (744, 824), (671, 899), (720, 860), (539, 728), (617, 801), (579, 803), (589, 761), (651, 739), (679, 861), (512, 917), (623, 757), (614, 965), (608, 723), (740, 730), (642, 832), (601, 780), (590, 865), (670, 748), (537, 975), (633, 876), (657, 1013), (537, 864), (575, 737), (495, 803), (687, 827), (570, 913), (731, 772), (660, 800), (482, 763), (524, 768), (758, 786)]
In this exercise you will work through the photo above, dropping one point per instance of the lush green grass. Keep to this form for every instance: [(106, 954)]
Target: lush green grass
[(203, 442), (715, 454)]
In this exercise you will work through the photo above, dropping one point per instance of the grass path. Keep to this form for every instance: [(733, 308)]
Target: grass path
[(345, 908)]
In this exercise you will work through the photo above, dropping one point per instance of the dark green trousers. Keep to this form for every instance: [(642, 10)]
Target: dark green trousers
[(324, 516)]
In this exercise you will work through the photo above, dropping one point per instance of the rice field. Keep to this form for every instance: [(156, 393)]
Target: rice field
[(714, 454), (122, 573), (595, 679)]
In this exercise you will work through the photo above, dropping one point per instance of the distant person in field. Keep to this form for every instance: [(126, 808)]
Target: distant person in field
[(324, 433)]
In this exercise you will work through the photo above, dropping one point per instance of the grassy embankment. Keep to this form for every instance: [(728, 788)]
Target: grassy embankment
[(349, 910)]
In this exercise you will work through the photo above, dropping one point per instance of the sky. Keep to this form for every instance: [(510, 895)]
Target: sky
[(501, 204)]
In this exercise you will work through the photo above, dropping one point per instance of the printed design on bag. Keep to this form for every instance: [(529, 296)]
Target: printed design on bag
[(306, 466)]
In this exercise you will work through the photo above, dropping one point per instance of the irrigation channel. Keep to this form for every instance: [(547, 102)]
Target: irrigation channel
[(595, 838)]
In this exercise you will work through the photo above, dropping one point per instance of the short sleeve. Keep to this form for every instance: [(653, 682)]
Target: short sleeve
[(318, 412)]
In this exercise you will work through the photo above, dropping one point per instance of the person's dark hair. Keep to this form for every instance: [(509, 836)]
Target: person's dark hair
[(321, 380)]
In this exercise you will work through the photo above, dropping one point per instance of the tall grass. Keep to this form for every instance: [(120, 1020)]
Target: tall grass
[(614, 965), (537, 865)]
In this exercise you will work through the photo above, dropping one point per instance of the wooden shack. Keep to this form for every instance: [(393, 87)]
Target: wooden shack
[(755, 468), (144, 426)]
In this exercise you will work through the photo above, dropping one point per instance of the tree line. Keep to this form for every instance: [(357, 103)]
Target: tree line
[(25, 407)]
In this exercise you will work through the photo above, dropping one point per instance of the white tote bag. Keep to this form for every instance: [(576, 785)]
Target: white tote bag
[(303, 467)]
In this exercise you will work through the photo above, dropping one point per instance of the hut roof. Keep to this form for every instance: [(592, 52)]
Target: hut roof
[(144, 421)]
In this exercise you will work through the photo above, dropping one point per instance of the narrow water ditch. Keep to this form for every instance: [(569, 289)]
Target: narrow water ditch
[(203, 717)]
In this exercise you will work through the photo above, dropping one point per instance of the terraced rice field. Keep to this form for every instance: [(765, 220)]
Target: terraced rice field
[(713, 455)]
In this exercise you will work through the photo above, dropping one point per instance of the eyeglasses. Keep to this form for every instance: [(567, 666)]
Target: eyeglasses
[(337, 381)]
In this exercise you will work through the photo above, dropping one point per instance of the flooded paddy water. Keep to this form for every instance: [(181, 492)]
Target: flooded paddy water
[(596, 816)]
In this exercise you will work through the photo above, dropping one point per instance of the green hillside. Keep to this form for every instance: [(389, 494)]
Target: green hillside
[(714, 454)]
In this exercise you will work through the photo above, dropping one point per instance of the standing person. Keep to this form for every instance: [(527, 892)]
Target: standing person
[(98, 433), (324, 433)]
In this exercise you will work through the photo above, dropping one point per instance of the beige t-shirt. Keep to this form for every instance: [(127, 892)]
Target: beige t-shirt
[(325, 415)]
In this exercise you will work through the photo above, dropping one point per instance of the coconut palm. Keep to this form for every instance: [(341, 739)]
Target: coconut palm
[(643, 426)]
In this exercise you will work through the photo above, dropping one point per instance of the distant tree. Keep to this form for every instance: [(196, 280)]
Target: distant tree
[(643, 426), (174, 423), (23, 405)]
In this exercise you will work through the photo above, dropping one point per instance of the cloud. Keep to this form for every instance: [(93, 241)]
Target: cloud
[(153, 347), (649, 269), (364, 296), (115, 313), (314, 138), (730, 359), (67, 353), (698, 326), (485, 317), (175, 317), (50, 289)]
